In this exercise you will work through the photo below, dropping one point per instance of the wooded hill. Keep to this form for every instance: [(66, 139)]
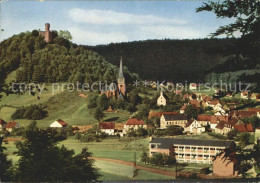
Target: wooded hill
[(200, 60), (170, 60), (58, 61)]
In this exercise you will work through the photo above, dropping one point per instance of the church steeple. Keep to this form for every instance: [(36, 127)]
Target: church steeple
[(121, 81), (121, 69)]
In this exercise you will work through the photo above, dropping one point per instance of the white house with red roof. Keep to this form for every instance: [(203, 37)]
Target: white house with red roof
[(59, 124), (12, 125), (107, 127), (134, 124), (193, 86)]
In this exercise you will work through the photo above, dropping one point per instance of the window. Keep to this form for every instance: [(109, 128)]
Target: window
[(153, 146)]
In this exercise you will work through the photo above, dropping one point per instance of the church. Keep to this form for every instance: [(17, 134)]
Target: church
[(120, 91)]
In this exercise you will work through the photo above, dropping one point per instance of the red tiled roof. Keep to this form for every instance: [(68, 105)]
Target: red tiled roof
[(106, 125), (243, 114), (159, 114), (221, 125), (203, 117), (63, 123), (135, 121), (244, 128), (214, 102), (12, 124), (195, 102), (2, 122), (254, 109), (183, 107)]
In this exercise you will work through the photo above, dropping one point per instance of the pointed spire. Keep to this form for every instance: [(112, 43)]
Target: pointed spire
[(121, 69)]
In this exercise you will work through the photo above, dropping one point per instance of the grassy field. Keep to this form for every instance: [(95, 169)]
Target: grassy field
[(114, 171), (64, 105), (110, 148)]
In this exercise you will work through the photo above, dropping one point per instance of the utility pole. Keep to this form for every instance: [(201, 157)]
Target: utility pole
[(176, 170), (134, 165)]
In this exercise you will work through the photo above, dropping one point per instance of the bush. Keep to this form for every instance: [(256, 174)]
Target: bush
[(33, 112)]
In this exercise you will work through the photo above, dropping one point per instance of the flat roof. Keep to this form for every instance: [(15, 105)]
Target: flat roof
[(165, 143)]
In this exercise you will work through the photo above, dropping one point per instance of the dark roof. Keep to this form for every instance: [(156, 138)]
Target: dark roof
[(165, 143), (2, 122), (172, 117), (121, 70)]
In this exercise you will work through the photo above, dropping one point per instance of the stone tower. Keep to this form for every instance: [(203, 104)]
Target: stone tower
[(47, 36), (121, 81)]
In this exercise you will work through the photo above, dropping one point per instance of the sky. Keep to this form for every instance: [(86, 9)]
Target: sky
[(104, 22)]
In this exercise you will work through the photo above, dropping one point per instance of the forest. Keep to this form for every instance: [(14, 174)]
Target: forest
[(58, 61), (187, 60)]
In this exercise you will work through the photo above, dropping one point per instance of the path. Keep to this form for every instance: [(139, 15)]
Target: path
[(157, 171)]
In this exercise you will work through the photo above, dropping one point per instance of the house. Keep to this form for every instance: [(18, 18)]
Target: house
[(193, 86), (225, 127), (195, 103), (257, 136), (225, 166), (59, 124), (173, 120), (12, 125), (107, 127), (204, 119), (2, 124), (159, 114), (189, 150), (213, 103), (194, 127), (244, 95), (134, 124), (255, 96), (244, 128), (161, 101), (243, 114)]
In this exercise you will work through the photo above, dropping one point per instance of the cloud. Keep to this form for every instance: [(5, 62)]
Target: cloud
[(89, 37), (108, 17), (172, 32)]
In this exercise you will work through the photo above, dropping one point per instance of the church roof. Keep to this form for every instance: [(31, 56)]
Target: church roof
[(121, 70)]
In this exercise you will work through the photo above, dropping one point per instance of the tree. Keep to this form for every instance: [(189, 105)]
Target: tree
[(173, 130), (65, 34), (99, 114), (103, 102), (5, 164), (92, 101), (244, 139), (246, 14), (157, 159), (232, 134), (134, 98), (42, 160), (141, 132), (191, 112), (143, 111), (144, 157)]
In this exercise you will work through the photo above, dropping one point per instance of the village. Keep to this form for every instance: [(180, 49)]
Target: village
[(176, 133), (144, 91)]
